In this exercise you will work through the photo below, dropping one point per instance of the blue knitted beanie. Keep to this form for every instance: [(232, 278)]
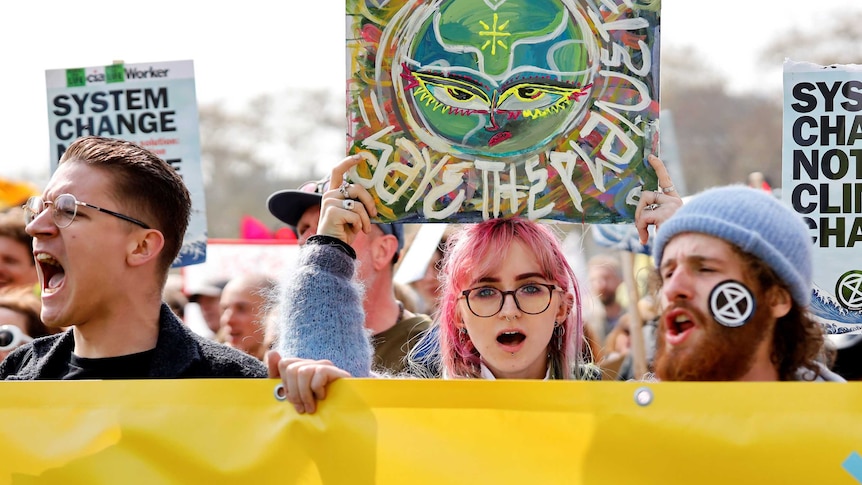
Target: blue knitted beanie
[(754, 221)]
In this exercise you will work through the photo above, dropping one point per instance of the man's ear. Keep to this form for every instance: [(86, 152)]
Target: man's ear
[(384, 250), (145, 247), (780, 301)]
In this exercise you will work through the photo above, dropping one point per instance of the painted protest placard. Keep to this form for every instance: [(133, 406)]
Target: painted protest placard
[(465, 110), (152, 104), (822, 181)]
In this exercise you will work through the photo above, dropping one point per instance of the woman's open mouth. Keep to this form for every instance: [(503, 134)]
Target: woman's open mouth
[(511, 341)]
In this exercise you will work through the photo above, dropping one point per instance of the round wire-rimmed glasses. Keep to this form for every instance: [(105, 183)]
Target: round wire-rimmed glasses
[(65, 209), (530, 298)]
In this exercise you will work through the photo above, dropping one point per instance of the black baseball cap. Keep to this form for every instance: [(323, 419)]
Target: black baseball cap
[(289, 205)]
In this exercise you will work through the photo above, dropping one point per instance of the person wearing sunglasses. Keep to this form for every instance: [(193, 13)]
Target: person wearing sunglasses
[(105, 232)]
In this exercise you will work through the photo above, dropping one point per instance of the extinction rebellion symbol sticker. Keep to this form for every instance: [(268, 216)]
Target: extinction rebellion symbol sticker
[(731, 303), (848, 290)]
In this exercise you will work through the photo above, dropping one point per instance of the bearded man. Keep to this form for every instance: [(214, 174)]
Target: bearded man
[(736, 271)]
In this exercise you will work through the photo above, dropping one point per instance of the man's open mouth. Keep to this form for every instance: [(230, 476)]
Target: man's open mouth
[(53, 273), (680, 324)]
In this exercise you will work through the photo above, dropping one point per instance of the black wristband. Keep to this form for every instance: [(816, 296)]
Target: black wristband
[(322, 240)]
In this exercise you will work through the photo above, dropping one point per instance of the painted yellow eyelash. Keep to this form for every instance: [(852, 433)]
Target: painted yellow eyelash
[(565, 101), (543, 88), (561, 105), (424, 95)]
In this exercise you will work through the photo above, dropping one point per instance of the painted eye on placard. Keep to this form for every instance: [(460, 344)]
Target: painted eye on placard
[(454, 93), (457, 97), (530, 96), (459, 94)]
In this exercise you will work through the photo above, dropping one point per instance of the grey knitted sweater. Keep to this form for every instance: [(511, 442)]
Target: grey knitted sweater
[(321, 314)]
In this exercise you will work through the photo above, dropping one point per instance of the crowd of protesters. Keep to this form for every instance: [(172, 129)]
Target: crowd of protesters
[(87, 290)]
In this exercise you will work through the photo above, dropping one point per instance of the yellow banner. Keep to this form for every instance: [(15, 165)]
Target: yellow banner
[(431, 432)]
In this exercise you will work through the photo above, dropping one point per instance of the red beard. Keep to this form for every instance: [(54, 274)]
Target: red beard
[(720, 353)]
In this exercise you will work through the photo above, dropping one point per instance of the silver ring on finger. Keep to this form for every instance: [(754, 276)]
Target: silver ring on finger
[(343, 189), (666, 190), (348, 204), (652, 207)]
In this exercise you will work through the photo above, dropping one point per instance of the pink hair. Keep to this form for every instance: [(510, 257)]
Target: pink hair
[(475, 251)]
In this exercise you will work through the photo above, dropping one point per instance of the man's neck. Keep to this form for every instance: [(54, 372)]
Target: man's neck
[(761, 372), (127, 330), (381, 309)]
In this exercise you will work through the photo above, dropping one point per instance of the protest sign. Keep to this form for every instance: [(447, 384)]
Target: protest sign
[(822, 181), (151, 104), (465, 110)]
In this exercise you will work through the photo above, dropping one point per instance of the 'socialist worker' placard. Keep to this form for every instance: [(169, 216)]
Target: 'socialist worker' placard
[(822, 181), (152, 104)]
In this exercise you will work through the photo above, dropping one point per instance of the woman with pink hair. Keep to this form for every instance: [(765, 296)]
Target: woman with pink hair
[(510, 307)]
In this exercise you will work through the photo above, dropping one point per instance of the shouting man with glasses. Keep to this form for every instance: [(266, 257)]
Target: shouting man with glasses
[(105, 232)]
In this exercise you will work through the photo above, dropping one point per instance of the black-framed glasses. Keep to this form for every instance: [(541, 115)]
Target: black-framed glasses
[(531, 298), (65, 209)]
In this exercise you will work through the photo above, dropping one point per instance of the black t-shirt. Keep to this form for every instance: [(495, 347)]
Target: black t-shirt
[(132, 366)]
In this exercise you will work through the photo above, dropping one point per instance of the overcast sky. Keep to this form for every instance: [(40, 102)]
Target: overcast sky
[(260, 46)]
